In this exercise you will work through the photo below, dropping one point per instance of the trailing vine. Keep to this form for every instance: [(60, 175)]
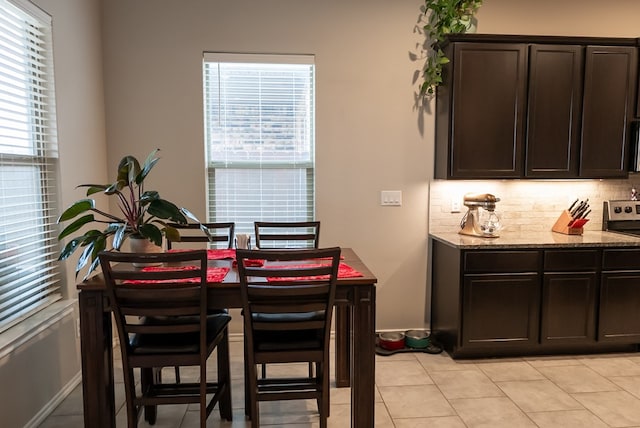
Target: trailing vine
[(442, 17)]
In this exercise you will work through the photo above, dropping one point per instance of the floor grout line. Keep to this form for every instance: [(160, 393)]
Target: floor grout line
[(441, 375)]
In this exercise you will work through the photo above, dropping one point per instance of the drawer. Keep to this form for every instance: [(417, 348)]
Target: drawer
[(501, 261), (571, 260), (621, 258)]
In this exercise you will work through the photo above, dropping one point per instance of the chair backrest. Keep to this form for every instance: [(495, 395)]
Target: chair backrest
[(175, 290), (298, 283), (294, 234), (219, 233)]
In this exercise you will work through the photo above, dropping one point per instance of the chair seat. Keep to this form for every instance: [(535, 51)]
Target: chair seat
[(282, 340), (289, 317), (148, 344)]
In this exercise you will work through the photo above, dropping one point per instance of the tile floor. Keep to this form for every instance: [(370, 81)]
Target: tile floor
[(422, 390)]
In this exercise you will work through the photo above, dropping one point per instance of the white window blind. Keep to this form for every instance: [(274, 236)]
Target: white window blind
[(29, 278), (259, 137)]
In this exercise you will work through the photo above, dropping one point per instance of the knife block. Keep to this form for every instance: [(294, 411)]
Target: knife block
[(562, 225)]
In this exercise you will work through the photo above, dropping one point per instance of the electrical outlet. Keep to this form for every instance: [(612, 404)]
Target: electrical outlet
[(455, 206)]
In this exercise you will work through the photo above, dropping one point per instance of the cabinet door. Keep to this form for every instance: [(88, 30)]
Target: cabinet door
[(619, 319), (553, 111), (488, 102), (608, 106), (568, 308), (500, 310)]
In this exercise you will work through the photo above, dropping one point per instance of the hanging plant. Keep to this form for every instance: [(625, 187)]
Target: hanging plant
[(443, 17)]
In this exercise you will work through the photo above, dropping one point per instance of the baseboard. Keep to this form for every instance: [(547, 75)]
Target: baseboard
[(48, 409)]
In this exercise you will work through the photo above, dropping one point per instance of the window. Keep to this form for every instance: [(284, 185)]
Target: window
[(259, 137), (29, 278)]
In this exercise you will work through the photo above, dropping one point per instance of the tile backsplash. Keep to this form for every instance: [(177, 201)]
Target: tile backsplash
[(525, 204)]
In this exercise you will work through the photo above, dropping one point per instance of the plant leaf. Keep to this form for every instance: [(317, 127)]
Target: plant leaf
[(171, 233), (92, 267), (149, 162), (206, 231), (189, 215), (128, 169), (73, 227), (151, 232), (70, 248), (84, 257), (149, 196), (99, 245), (114, 188), (91, 236), (166, 210), (118, 238), (76, 208)]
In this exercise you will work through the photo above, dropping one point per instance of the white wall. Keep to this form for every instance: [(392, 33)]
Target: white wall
[(369, 135), (37, 373)]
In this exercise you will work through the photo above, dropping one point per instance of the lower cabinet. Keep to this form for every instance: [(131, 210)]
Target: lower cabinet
[(620, 307), (569, 292), (506, 302), (620, 296), (500, 310), (568, 308)]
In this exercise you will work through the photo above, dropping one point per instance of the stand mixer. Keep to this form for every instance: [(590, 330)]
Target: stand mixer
[(485, 222)]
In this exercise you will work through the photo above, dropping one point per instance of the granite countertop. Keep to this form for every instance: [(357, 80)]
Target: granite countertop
[(546, 239)]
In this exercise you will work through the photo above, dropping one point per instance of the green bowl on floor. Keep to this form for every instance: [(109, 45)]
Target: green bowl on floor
[(416, 339)]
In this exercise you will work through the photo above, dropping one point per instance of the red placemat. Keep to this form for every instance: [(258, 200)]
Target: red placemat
[(219, 254), (250, 263), (344, 271), (214, 274), (213, 253)]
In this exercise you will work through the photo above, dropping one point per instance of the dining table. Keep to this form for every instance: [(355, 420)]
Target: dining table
[(355, 307)]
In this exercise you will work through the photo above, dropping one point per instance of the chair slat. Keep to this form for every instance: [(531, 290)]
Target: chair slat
[(272, 234), (218, 232)]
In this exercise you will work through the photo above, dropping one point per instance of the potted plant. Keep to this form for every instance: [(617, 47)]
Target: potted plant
[(142, 214), (443, 17)]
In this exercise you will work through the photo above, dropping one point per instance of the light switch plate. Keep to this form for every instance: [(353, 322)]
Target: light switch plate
[(391, 198)]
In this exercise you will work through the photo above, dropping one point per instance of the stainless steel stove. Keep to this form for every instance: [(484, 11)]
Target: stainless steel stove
[(622, 216)]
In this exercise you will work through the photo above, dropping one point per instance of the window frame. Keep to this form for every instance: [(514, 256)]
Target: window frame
[(28, 116), (307, 168)]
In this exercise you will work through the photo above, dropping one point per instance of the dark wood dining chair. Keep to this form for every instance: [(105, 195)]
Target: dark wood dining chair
[(287, 234), (220, 234), (161, 318), (288, 305)]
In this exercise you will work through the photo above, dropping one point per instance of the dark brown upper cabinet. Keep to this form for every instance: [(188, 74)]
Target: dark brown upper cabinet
[(480, 109), (611, 74), (535, 107), (553, 110)]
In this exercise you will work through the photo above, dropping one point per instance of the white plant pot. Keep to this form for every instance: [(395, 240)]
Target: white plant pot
[(143, 245)]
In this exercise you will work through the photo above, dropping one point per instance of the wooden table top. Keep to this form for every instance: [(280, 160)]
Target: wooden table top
[(96, 282)]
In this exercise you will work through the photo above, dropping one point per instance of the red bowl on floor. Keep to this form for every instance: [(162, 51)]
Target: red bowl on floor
[(391, 341)]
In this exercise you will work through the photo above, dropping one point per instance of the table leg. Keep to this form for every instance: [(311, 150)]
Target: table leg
[(343, 345), (363, 372), (97, 361)]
